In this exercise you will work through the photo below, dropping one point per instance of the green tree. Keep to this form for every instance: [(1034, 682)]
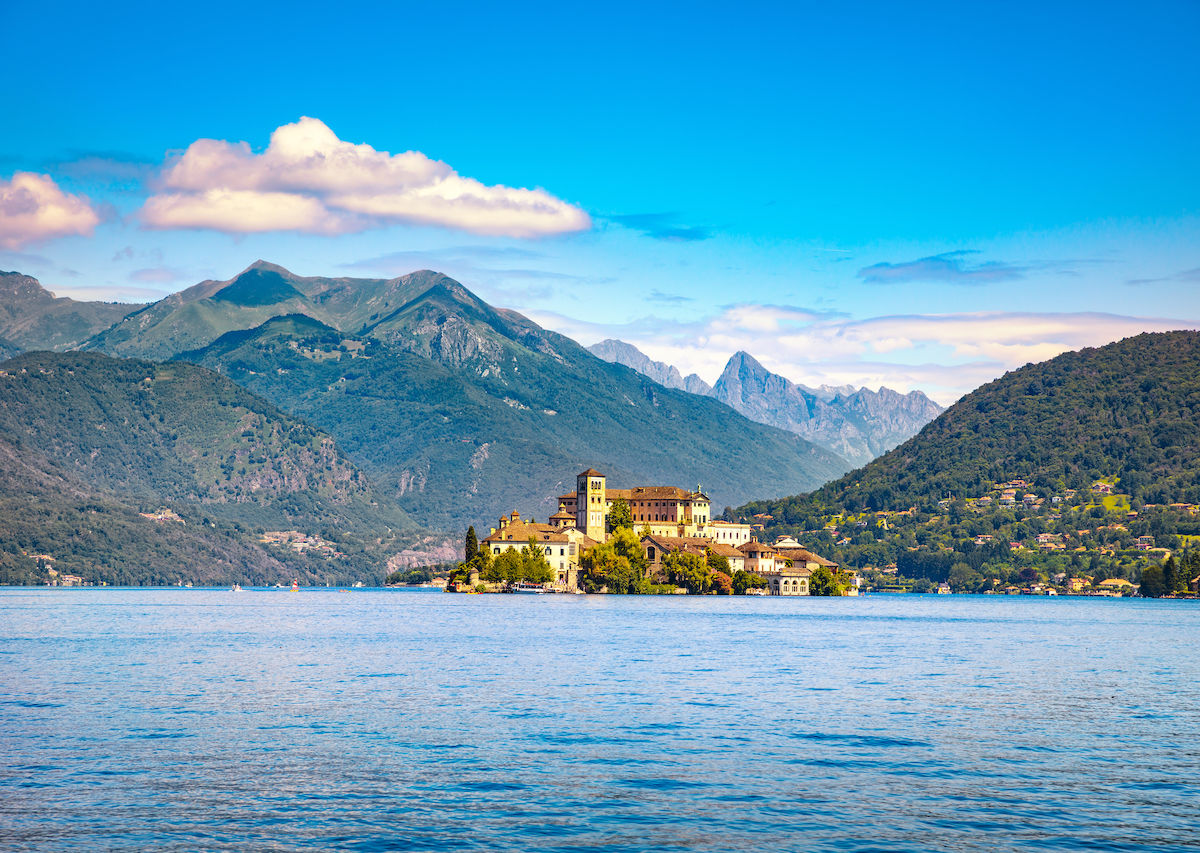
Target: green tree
[(963, 578), (620, 516), (1170, 574), (824, 582), (535, 568), (689, 571), (505, 566), (472, 545), (743, 580), (618, 564), (1152, 582), (716, 562)]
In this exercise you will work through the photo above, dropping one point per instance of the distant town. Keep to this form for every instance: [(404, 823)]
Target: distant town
[(1014, 540)]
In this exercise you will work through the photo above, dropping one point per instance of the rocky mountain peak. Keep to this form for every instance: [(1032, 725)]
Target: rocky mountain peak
[(23, 287)]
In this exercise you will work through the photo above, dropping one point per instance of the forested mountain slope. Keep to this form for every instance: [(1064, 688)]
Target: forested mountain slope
[(458, 410), (1127, 413), (464, 414), (88, 442)]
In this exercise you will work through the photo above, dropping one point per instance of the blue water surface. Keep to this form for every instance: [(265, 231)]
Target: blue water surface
[(373, 720)]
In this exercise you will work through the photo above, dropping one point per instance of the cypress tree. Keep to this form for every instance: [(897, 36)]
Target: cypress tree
[(472, 545), (1170, 576)]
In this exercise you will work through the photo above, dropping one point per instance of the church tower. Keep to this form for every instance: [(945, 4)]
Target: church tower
[(591, 505)]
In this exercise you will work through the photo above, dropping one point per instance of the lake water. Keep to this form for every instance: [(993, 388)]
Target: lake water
[(413, 720)]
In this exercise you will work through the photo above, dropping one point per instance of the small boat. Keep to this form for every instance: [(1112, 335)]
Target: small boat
[(528, 588), (295, 586), (237, 587)]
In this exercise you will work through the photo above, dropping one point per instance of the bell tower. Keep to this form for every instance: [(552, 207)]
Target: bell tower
[(591, 505)]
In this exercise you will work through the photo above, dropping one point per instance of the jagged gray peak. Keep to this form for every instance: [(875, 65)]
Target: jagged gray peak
[(664, 374), (857, 424)]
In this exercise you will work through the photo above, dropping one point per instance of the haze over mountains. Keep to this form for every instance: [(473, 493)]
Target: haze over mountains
[(455, 409), (858, 425)]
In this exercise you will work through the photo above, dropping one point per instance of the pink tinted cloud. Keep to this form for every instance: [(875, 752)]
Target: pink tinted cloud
[(33, 208), (309, 180)]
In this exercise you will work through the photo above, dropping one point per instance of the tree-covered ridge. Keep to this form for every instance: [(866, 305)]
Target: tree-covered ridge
[(1085, 464), (133, 427), (1128, 412), (453, 407), (91, 448)]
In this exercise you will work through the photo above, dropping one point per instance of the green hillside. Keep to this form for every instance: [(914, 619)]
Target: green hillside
[(1126, 415), (88, 443), (1129, 412)]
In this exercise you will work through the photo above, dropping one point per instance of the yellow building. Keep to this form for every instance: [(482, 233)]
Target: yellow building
[(662, 510), (560, 543)]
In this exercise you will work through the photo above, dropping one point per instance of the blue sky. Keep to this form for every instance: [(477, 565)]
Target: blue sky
[(917, 195)]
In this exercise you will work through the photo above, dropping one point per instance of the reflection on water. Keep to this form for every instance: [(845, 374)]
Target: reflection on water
[(414, 720)]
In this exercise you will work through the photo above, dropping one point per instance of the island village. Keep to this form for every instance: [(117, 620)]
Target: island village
[(672, 527)]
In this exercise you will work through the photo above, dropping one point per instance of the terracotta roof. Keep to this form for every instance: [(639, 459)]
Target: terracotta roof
[(797, 553), (756, 548), (696, 544), (520, 531), (726, 550), (651, 493), (590, 472)]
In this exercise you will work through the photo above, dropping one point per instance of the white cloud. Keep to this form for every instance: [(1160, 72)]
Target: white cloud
[(944, 355), (33, 208), (309, 180)]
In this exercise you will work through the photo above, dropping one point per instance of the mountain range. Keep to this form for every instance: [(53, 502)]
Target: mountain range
[(857, 424), (456, 410)]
